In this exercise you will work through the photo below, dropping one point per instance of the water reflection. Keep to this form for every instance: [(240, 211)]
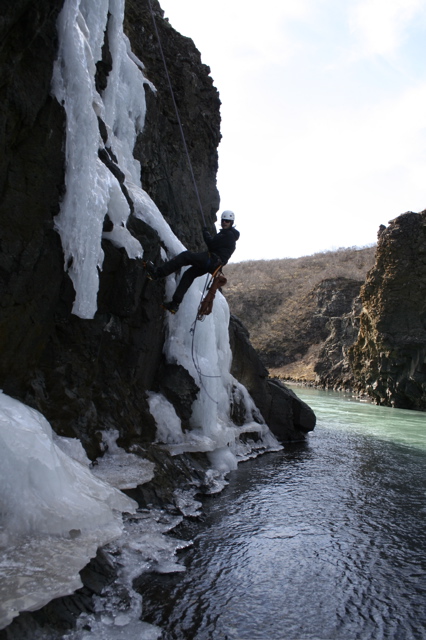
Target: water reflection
[(324, 540)]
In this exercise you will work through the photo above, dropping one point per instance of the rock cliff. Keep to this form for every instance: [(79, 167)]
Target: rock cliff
[(338, 309), (90, 375), (389, 357), (291, 307)]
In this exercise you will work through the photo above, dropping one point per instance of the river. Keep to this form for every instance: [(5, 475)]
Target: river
[(322, 541)]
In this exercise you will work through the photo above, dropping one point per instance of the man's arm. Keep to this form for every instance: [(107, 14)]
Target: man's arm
[(207, 237)]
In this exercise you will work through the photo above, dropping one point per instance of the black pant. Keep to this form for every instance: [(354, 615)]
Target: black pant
[(201, 263)]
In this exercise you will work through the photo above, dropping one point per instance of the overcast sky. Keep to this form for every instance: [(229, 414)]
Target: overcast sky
[(323, 116)]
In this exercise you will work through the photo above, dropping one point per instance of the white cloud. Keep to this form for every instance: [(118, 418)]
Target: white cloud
[(332, 183), (381, 25)]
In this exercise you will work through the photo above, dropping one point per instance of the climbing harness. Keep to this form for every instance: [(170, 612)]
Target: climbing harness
[(177, 112), (206, 305)]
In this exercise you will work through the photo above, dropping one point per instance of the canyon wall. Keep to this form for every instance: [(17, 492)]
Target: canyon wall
[(389, 356)]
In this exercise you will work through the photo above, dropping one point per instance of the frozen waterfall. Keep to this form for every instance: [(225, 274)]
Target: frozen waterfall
[(92, 192)]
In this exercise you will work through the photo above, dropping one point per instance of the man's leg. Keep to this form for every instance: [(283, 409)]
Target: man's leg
[(183, 259), (185, 282), (199, 266)]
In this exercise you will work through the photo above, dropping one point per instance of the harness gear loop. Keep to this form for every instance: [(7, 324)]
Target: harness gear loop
[(177, 112), (206, 306), (216, 271)]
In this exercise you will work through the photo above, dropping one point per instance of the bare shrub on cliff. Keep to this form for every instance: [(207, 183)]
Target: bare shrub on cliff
[(275, 299)]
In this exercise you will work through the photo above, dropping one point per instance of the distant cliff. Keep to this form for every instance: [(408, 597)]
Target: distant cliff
[(389, 356), (301, 312), (361, 327), (338, 310)]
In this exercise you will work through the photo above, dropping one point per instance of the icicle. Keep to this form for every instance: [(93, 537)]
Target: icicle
[(91, 190)]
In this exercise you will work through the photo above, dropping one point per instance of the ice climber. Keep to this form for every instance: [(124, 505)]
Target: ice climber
[(220, 249)]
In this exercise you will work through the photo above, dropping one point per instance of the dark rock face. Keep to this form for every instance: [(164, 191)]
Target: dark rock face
[(179, 387), (389, 357), (338, 311), (288, 417), (89, 375), (165, 169), (31, 183), (85, 376)]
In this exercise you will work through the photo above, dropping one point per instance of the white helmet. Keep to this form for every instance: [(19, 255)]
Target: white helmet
[(228, 215)]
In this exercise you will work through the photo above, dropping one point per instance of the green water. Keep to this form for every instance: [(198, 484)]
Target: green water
[(343, 411)]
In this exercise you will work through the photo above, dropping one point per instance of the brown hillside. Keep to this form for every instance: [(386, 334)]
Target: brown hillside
[(277, 301)]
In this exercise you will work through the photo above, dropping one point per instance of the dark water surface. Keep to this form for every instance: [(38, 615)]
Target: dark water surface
[(324, 540)]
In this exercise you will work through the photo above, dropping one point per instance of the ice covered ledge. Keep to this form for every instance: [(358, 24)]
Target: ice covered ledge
[(55, 513)]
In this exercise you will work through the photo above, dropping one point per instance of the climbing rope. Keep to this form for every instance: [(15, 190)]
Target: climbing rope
[(208, 284), (177, 112), (194, 355)]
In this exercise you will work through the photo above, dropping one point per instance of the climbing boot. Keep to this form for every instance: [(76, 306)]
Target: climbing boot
[(151, 270), (171, 306)]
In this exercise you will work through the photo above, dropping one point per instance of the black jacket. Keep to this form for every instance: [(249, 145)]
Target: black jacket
[(223, 243)]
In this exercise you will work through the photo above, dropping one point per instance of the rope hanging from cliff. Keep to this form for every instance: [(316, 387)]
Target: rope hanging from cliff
[(177, 112), (207, 309), (194, 354)]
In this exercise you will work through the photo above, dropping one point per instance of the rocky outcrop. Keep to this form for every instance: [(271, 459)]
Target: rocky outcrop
[(338, 311), (89, 375), (279, 301), (328, 326), (288, 417), (389, 357)]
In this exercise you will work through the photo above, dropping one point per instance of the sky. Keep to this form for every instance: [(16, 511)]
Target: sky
[(323, 116)]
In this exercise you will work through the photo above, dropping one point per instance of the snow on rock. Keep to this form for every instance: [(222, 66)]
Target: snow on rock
[(54, 513), (121, 469), (43, 489), (142, 547), (206, 354), (38, 568)]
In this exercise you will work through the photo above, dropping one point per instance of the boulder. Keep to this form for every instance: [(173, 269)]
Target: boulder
[(288, 417)]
